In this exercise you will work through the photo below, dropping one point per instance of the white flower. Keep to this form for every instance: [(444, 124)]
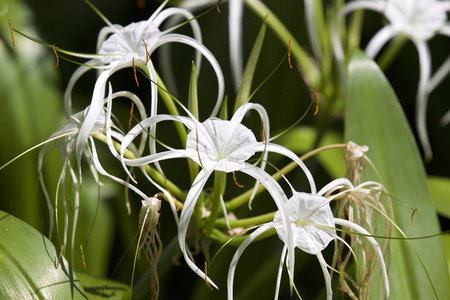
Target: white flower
[(219, 145), (133, 45), (65, 141), (419, 20), (312, 224)]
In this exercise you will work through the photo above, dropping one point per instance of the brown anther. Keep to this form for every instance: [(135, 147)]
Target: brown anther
[(412, 216), (131, 116), (317, 101), (57, 57), (289, 52), (60, 256), (146, 52), (217, 5), (135, 75), (262, 131), (12, 32), (206, 276), (235, 181)]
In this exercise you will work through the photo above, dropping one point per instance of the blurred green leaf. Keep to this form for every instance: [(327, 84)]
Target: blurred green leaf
[(247, 79), (29, 265), (440, 193), (375, 118), (30, 111)]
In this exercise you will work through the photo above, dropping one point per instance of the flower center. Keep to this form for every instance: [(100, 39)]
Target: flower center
[(221, 145)]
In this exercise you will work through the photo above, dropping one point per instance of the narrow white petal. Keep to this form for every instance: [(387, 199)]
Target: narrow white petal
[(279, 197), (288, 153), (376, 247), (235, 15), (422, 96), (238, 254), (326, 275), (379, 40), (188, 208), (178, 38)]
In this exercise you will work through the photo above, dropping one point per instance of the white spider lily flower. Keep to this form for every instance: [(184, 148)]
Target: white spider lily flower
[(219, 145), (312, 224), (419, 20), (235, 21), (65, 140), (132, 46)]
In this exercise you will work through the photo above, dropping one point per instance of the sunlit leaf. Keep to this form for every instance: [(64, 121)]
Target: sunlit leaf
[(29, 265)]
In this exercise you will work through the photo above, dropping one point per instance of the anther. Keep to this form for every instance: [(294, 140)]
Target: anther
[(134, 70)]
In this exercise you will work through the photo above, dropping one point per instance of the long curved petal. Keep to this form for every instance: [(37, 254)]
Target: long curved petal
[(280, 199), (238, 254), (178, 38), (379, 40), (186, 213), (288, 153), (376, 247)]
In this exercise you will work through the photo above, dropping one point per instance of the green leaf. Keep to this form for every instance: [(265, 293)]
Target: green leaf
[(374, 118), (101, 288), (440, 191), (243, 95), (29, 268)]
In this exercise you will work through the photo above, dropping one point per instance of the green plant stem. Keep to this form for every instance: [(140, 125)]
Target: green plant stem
[(219, 188), (244, 197), (158, 177), (221, 223), (308, 69), (392, 51), (221, 238)]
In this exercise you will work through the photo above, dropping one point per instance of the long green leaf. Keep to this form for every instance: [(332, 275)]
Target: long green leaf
[(247, 79), (29, 267), (375, 118)]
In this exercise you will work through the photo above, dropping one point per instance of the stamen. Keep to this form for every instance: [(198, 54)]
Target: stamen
[(141, 4), (262, 131), (206, 276), (235, 181), (57, 57), (131, 116), (82, 257), (412, 216), (12, 33), (134, 70), (217, 5), (289, 52), (196, 148), (317, 101), (146, 52)]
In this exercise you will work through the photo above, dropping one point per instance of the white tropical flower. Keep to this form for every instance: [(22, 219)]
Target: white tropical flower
[(419, 20), (220, 145), (312, 224), (65, 141), (132, 46)]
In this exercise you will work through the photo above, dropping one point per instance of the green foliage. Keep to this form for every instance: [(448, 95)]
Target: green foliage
[(375, 118)]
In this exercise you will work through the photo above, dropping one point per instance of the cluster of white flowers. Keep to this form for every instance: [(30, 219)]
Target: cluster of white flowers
[(304, 220)]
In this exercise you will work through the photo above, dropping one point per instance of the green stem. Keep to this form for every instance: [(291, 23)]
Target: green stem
[(308, 69), (261, 219), (392, 51), (221, 238), (219, 188)]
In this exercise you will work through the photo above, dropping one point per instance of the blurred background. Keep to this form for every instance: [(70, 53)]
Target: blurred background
[(31, 94)]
